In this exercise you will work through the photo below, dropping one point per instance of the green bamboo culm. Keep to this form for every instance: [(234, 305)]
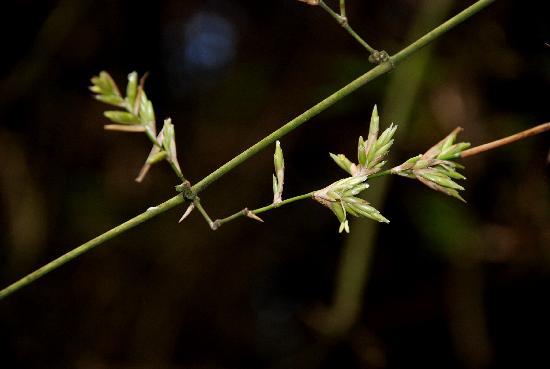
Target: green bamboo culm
[(254, 149)]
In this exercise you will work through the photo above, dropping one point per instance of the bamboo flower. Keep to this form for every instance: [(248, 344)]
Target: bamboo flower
[(340, 197), (370, 153), (435, 167)]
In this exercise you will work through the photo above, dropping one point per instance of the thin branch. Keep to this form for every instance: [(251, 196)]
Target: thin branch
[(197, 203), (254, 149), (245, 212), (466, 153), (506, 140), (343, 21), (264, 209)]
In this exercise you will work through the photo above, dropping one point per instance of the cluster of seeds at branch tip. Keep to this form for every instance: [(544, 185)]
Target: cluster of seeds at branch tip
[(436, 168), (370, 153), (341, 198), (136, 114)]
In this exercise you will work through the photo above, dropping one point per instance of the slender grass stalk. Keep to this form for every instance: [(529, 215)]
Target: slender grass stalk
[(205, 215), (150, 213), (343, 21), (254, 149), (244, 212), (506, 140)]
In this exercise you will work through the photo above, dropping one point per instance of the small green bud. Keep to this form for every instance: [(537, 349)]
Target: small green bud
[(355, 190), (386, 136), (275, 186), (342, 161), (382, 151), (168, 140), (450, 172), (131, 89), (349, 209), (108, 83), (414, 159), (378, 217), (168, 134), (278, 158), (146, 112), (361, 154), (374, 122), (121, 117), (453, 151), (440, 179), (110, 99), (455, 194), (279, 178), (104, 84), (365, 210), (449, 140), (338, 209), (348, 183)]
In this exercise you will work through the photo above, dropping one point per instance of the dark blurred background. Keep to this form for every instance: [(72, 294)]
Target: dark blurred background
[(445, 285)]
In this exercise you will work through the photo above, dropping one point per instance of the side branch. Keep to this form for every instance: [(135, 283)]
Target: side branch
[(506, 140), (343, 21), (246, 212)]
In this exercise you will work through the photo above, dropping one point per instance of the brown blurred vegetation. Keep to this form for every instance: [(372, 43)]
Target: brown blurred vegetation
[(448, 285)]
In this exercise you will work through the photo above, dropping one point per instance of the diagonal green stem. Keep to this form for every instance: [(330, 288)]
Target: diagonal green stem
[(343, 92), (254, 149), (150, 213)]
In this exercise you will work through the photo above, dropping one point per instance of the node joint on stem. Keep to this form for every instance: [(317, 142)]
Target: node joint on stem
[(186, 190), (376, 56)]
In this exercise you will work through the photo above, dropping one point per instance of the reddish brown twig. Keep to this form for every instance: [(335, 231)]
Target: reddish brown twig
[(506, 140)]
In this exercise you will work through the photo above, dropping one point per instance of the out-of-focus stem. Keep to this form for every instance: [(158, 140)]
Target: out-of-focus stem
[(506, 140)]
